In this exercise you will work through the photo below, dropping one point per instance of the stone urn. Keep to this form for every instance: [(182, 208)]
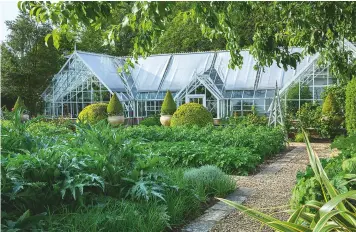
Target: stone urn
[(116, 120), (217, 121), (165, 120), (25, 117)]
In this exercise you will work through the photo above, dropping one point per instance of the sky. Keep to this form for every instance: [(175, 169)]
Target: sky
[(8, 11)]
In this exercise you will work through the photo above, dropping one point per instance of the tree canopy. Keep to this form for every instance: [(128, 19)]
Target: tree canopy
[(318, 27), (28, 64)]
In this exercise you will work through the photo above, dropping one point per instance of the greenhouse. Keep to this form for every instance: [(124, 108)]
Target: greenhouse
[(202, 77)]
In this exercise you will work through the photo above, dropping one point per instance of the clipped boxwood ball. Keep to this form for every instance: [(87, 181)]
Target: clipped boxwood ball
[(93, 113), (191, 114)]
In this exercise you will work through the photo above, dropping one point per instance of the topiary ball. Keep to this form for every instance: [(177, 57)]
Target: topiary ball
[(191, 114), (93, 113)]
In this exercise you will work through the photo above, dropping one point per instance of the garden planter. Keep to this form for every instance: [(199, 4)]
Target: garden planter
[(217, 121), (165, 120), (116, 120), (25, 117)]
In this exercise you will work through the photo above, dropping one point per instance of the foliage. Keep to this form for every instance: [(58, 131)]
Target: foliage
[(299, 137), (335, 212), (191, 114), (235, 149), (27, 64), (350, 113), (309, 116), (337, 169), (293, 97), (211, 179), (251, 119), (19, 104), (151, 121), (330, 126), (93, 113), (114, 107), (338, 93), (168, 105), (112, 215), (65, 180), (330, 105), (184, 35), (274, 27)]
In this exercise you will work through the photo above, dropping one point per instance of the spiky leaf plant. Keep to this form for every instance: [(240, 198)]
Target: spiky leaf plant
[(19, 105)]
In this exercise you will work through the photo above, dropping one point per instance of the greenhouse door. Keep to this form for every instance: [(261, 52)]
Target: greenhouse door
[(197, 98)]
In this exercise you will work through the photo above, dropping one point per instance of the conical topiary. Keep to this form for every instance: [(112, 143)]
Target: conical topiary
[(168, 105), (329, 105), (19, 104), (115, 108)]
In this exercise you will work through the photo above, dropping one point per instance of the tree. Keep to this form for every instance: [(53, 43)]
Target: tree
[(318, 27), (27, 63), (184, 35)]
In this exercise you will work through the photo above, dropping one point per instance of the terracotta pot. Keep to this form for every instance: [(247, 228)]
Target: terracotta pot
[(165, 120), (217, 121), (25, 117), (116, 120)]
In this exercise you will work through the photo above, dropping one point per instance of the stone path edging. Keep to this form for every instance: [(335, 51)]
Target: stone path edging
[(217, 212)]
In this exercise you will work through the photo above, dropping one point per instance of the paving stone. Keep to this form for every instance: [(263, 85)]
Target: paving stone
[(199, 226), (213, 215)]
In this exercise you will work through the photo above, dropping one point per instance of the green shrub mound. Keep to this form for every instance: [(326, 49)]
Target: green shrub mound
[(168, 105), (211, 179), (114, 108), (191, 114), (93, 113), (151, 121), (19, 104), (350, 114)]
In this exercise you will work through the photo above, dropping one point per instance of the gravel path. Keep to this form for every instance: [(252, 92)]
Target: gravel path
[(271, 189)]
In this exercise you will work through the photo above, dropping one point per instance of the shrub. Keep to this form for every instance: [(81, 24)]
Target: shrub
[(338, 95), (330, 126), (114, 107), (151, 121), (168, 105), (210, 179), (299, 137), (93, 113), (350, 108), (309, 116), (330, 105), (191, 114), (19, 104)]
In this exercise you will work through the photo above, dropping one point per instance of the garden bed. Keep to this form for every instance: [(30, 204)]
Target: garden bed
[(101, 177)]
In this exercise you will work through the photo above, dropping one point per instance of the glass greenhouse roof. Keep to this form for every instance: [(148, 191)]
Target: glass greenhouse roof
[(174, 72)]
